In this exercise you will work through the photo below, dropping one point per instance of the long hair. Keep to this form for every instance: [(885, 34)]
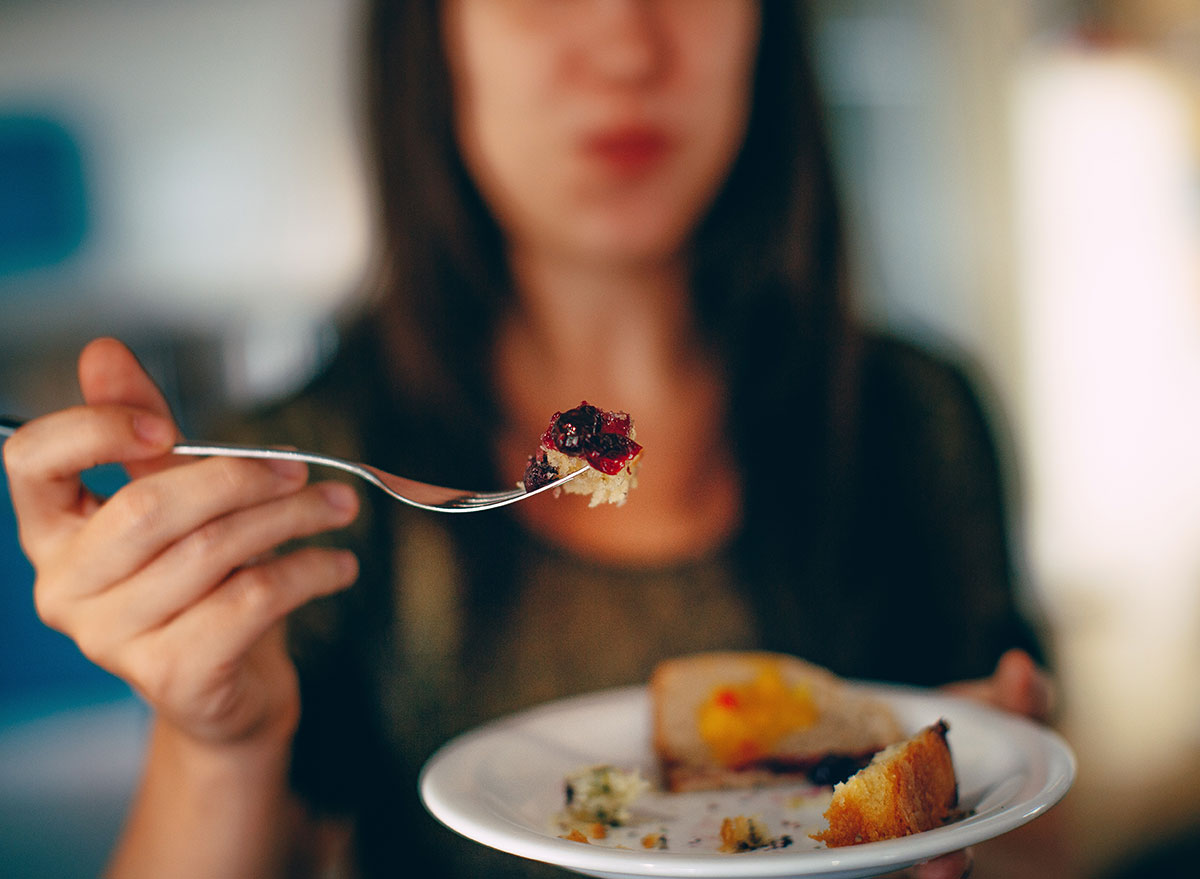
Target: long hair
[(768, 284)]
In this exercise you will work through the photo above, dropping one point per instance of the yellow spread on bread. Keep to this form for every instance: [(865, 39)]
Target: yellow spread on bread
[(741, 722)]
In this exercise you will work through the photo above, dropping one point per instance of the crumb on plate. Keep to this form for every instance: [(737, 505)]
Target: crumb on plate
[(743, 834), (602, 794)]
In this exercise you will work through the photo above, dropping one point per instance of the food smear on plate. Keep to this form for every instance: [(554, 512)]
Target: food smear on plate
[(602, 442)]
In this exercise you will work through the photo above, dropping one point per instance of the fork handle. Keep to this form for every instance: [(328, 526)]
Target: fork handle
[(235, 450), (10, 423)]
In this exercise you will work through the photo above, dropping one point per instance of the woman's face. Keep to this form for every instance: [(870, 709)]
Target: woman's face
[(600, 129)]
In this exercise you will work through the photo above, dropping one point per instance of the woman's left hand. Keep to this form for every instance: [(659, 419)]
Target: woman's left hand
[(1017, 685)]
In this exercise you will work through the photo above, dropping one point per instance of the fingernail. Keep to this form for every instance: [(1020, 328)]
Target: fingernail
[(153, 430), (287, 468), (339, 496)]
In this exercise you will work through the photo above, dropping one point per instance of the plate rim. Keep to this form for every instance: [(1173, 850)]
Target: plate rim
[(436, 790)]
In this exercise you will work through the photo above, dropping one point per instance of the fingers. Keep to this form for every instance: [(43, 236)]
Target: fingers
[(1017, 685), (1021, 687), (220, 670), (44, 460), (156, 584), (956, 865), (190, 568), (126, 421), (109, 373), (172, 621), (149, 515), (233, 618)]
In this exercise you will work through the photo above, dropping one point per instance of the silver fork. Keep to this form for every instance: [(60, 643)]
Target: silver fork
[(435, 498)]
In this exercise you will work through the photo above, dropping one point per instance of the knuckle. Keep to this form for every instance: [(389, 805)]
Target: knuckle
[(13, 453), (149, 668), (23, 458), (255, 590), (94, 645), (205, 540), (139, 506), (48, 604), (229, 475), (236, 477)]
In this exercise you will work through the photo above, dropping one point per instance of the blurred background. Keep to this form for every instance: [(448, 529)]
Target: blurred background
[(1023, 186)]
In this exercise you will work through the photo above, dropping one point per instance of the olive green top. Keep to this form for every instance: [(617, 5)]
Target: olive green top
[(460, 619)]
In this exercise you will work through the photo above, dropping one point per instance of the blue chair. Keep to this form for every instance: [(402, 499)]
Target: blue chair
[(43, 199), (70, 734)]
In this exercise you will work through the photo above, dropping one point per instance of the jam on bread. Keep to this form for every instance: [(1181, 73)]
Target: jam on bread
[(736, 719)]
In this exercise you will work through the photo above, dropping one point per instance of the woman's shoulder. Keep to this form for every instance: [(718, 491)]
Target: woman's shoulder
[(921, 381), (919, 367), (929, 405)]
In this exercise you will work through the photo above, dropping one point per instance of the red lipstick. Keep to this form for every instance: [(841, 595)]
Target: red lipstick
[(628, 150)]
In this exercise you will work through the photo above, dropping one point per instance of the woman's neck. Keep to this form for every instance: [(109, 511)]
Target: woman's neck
[(615, 327), (621, 339)]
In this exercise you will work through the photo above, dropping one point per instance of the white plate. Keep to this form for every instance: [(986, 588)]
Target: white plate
[(502, 785)]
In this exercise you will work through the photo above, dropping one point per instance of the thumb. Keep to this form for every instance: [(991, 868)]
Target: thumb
[(956, 865), (1017, 685), (1022, 687), (109, 373)]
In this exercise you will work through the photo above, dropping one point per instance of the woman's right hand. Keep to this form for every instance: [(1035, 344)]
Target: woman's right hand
[(172, 584)]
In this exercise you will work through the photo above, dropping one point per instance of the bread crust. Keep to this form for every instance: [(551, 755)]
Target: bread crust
[(908, 788)]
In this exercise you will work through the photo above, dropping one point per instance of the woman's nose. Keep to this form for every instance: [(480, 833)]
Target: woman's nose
[(629, 43)]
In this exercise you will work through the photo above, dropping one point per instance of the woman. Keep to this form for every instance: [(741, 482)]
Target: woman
[(624, 201)]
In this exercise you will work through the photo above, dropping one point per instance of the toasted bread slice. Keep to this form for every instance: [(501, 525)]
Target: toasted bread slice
[(907, 788), (738, 719)]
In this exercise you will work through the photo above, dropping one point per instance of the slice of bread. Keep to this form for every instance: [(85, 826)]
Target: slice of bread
[(738, 719), (908, 787)]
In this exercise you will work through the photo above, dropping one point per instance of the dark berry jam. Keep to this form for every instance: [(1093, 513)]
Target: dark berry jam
[(834, 769), (539, 472), (609, 452), (616, 422), (602, 438), (570, 430)]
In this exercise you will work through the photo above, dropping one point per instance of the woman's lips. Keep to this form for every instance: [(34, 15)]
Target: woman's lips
[(629, 150)]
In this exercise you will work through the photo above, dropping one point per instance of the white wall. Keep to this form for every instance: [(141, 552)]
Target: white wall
[(220, 156), (1037, 202), (1108, 166)]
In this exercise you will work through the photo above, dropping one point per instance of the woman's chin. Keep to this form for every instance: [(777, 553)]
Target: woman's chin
[(630, 244)]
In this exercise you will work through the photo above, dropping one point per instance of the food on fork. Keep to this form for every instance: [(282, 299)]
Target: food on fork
[(732, 719), (587, 436), (908, 787)]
